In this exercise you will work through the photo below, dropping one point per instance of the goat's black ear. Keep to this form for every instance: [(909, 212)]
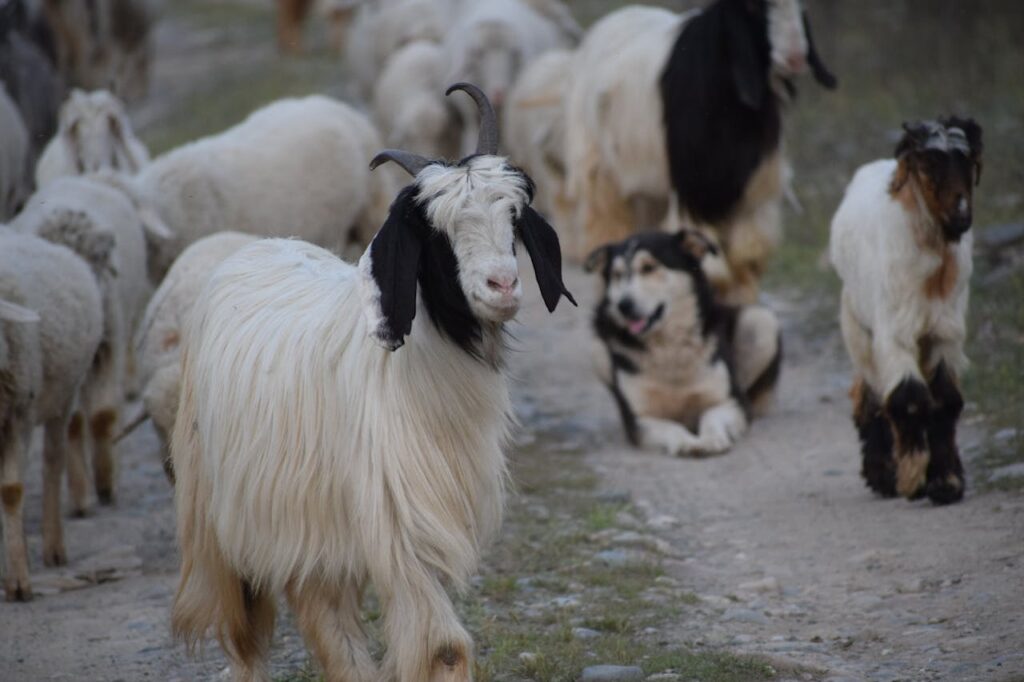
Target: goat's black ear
[(746, 63), (914, 136), (541, 243), (389, 269), (818, 69), (972, 131)]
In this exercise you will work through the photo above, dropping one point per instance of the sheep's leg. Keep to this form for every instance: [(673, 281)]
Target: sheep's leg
[(78, 474), (721, 426), (329, 622), (945, 475), (102, 425), (671, 436), (12, 492), (426, 641), (249, 628), (757, 347), (339, 20), (908, 408), (54, 454), (878, 468)]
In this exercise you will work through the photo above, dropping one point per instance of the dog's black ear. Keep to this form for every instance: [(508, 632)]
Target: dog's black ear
[(541, 243), (389, 269), (821, 73), (696, 243), (747, 64), (598, 258)]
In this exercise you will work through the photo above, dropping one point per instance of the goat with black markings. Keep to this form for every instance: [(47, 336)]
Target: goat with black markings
[(312, 460), (686, 372), (681, 113), (902, 247)]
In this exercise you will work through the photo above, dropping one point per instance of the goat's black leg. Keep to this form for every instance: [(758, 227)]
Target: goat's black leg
[(908, 410), (878, 467), (945, 471)]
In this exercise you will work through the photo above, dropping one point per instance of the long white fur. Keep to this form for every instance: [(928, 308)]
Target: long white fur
[(307, 455), (296, 167), (51, 320), (94, 134), (615, 147), (884, 310), (158, 341)]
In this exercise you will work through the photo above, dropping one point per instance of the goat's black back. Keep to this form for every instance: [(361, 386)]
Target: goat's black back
[(721, 115)]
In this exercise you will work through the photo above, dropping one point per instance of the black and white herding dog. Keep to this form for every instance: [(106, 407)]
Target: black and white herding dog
[(686, 372)]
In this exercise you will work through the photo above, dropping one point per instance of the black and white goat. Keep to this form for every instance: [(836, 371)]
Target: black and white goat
[(682, 113), (310, 459), (902, 247)]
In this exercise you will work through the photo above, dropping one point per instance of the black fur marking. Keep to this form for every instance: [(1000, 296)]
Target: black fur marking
[(908, 407), (408, 250), (541, 242), (945, 457), (623, 363), (629, 423), (721, 117), (878, 468)]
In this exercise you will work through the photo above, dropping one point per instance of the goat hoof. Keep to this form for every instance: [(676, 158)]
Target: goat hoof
[(105, 496), (55, 556), (79, 513), (18, 590), (945, 491)]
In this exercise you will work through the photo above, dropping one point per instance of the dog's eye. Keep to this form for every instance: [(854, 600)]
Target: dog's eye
[(648, 268)]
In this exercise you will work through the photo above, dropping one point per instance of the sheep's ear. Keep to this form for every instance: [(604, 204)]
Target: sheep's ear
[(541, 243), (389, 269), (749, 72), (12, 312), (972, 131), (821, 73)]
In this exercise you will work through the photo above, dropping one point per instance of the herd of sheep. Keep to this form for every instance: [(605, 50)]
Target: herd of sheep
[(332, 421)]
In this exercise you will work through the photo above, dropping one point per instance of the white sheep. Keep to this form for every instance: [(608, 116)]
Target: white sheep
[(296, 167), (408, 104), (51, 321), (75, 211), (159, 335), (381, 28), (490, 42), (535, 132), (15, 179), (678, 116), (93, 134), (310, 459), (901, 245)]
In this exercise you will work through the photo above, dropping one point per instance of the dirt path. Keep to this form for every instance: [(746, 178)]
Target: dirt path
[(790, 553)]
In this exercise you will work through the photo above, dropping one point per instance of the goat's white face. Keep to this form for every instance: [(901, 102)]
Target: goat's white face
[(787, 37), (475, 205)]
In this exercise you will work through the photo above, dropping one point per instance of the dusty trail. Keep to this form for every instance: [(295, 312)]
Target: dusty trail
[(790, 553)]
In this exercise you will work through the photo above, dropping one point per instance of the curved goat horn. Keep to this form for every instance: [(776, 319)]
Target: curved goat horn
[(488, 141), (412, 163)]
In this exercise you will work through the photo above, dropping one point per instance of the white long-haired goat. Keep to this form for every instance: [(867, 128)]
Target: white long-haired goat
[(312, 460)]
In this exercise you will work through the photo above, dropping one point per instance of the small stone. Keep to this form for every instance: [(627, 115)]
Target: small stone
[(527, 658), (617, 558), (585, 633), (612, 673), (664, 677), (662, 522), (886, 652), (565, 602), (614, 496), (1008, 471), (741, 615), (768, 584)]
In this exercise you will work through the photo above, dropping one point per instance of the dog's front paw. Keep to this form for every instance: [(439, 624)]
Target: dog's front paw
[(681, 443), (716, 443)]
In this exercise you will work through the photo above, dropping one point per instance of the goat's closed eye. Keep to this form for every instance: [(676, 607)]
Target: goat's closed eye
[(648, 268)]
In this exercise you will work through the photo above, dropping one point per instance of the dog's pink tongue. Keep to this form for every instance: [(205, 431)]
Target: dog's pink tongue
[(637, 326)]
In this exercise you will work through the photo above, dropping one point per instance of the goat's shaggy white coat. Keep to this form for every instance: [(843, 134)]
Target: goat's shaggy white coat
[(160, 332), (296, 167), (94, 134), (885, 314), (51, 321)]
